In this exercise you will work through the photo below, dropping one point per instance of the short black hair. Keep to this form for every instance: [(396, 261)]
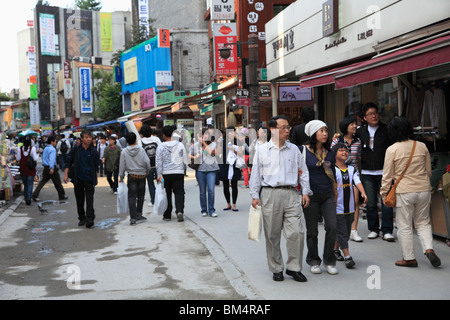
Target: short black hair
[(146, 131), (338, 146), (51, 139), (273, 121), (86, 132), (130, 138), (367, 106), (343, 125), (308, 114), (400, 129), (168, 131)]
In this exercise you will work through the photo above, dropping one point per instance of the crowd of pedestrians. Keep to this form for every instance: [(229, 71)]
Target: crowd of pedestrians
[(299, 177)]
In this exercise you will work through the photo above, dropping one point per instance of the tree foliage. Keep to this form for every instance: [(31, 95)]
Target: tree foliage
[(107, 91), (139, 34), (42, 3), (88, 5)]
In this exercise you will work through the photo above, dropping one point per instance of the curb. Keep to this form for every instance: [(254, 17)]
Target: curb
[(234, 274), (10, 210)]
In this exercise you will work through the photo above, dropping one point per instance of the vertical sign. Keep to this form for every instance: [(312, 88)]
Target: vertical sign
[(35, 118), (143, 14), (106, 31), (47, 27), (163, 38), (225, 33), (222, 9), (85, 90), (330, 17)]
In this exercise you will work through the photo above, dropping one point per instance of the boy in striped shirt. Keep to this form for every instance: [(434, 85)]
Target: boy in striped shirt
[(346, 178)]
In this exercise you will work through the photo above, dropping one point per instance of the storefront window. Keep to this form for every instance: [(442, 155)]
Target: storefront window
[(387, 101)]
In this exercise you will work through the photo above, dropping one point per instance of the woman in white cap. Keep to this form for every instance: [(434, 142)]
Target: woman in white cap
[(320, 162)]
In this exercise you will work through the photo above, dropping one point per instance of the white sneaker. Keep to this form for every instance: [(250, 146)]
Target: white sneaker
[(204, 214), (316, 269), (214, 215), (388, 237), (331, 269), (372, 235), (354, 236), (150, 204)]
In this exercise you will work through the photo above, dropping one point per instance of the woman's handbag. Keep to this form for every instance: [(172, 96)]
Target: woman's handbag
[(192, 165), (390, 200), (254, 223)]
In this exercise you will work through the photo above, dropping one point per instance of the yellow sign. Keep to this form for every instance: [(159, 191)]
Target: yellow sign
[(106, 32), (130, 70)]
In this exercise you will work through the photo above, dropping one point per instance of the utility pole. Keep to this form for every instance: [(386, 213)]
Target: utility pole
[(253, 83)]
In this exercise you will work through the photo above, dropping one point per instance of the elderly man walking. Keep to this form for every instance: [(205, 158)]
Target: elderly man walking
[(278, 167)]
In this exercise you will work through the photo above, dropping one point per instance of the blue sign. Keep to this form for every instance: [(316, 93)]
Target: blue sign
[(85, 90), (152, 69)]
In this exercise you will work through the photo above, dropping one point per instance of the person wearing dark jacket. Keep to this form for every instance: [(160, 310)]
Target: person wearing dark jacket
[(83, 164), (374, 142), (299, 136)]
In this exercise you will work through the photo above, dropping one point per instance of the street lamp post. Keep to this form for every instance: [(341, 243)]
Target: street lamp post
[(253, 84)]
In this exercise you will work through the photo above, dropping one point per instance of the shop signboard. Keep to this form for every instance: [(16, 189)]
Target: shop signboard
[(294, 93), (148, 99), (85, 90), (35, 118), (224, 34), (144, 65), (47, 32), (222, 10)]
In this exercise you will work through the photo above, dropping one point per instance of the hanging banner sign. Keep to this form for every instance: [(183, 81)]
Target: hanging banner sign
[(85, 90), (224, 34)]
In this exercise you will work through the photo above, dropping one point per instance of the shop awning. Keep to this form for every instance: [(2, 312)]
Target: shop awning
[(323, 78), (102, 124), (422, 56)]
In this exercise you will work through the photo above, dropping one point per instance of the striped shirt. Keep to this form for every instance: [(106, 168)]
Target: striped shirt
[(354, 150)]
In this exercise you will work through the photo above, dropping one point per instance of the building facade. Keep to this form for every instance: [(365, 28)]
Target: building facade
[(64, 36)]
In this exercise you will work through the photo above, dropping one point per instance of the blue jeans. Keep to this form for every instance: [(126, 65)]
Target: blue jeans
[(206, 182), (28, 187), (372, 185)]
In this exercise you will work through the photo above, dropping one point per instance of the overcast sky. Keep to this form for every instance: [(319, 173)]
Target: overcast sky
[(13, 19)]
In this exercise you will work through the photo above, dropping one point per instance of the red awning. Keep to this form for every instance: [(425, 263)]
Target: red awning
[(426, 55), (323, 78)]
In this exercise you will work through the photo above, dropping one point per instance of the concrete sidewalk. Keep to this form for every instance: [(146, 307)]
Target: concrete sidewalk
[(374, 276), (203, 258)]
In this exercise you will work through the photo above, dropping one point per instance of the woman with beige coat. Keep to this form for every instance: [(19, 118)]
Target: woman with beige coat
[(413, 193)]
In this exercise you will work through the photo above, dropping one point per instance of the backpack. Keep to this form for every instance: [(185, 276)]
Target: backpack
[(31, 164), (64, 148), (150, 149)]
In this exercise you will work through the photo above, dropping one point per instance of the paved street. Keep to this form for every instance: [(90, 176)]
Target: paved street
[(45, 255)]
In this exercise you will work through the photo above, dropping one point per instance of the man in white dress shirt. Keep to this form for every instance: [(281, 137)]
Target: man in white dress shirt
[(278, 168)]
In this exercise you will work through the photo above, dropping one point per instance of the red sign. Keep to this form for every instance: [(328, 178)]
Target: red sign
[(224, 34), (30, 23), (163, 38)]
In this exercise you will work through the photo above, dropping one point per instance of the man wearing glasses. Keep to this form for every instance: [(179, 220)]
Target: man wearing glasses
[(278, 168), (375, 140)]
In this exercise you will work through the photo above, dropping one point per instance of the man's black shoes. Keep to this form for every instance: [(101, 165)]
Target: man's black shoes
[(278, 276), (297, 275)]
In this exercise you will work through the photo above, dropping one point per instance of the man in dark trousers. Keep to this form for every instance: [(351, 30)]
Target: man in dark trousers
[(50, 170), (374, 140), (82, 168)]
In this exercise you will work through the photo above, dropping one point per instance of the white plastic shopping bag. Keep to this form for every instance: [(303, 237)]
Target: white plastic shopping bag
[(122, 198), (160, 199), (254, 223)]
